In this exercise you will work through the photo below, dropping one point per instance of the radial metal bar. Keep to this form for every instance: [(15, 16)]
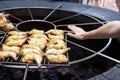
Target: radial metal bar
[(96, 53), (110, 58), (66, 18), (16, 18), (52, 12), (26, 71), (81, 24), (30, 13), (3, 37)]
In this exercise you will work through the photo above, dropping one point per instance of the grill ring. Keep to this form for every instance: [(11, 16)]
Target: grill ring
[(37, 24)]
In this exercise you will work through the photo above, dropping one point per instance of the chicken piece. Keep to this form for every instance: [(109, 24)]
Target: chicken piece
[(11, 48), (25, 51), (17, 33), (4, 15), (55, 32), (6, 54), (8, 26), (31, 46), (56, 36), (14, 37), (55, 51), (35, 31), (42, 42), (31, 56), (38, 36), (3, 21), (57, 58), (19, 42), (57, 44)]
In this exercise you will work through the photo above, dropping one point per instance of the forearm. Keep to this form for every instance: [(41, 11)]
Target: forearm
[(109, 30)]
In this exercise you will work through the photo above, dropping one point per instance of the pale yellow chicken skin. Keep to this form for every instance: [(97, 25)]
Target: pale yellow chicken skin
[(57, 58), (55, 34), (6, 54), (31, 56), (4, 24)]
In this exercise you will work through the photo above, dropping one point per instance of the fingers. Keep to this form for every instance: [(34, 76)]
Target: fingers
[(71, 35), (72, 27)]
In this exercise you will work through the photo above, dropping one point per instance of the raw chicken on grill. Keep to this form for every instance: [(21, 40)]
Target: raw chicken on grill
[(55, 34), (39, 36), (33, 50), (57, 51), (41, 42), (35, 31), (16, 42), (11, 48), (31, 46), (30, 53), (31, 56), (6, 54), (8, 26), (56, 47), (57, 44), (4, 24), (16, 33), (25, 51), (57, 58), (16, 38)]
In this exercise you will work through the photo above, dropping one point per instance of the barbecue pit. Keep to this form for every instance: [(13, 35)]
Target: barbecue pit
[(84, 50)]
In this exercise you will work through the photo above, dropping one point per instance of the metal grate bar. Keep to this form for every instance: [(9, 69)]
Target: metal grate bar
[(52, 12), (81, 24)]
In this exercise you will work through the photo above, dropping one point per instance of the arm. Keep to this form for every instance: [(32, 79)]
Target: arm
[(109, 30)]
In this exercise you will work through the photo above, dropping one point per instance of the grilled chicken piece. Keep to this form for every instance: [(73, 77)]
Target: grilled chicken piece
[(15, 37), (41, 42), (56, 36), (11, 48), (55, 32), (35, 31), (55, 51), (19, 42), (6, 54), (8, 26), (31, 46), (4, 23), (31, 56), (17, 33), (57, 58), (57, 44), (38, 36), (25, 51), (4, 15)]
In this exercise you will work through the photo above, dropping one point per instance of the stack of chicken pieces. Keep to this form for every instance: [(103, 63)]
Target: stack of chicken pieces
[(33, 50), (12, 44), (56, 47), (4, 24), (35, 44)]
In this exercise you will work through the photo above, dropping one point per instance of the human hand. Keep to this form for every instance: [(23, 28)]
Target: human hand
[(78, 33)]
